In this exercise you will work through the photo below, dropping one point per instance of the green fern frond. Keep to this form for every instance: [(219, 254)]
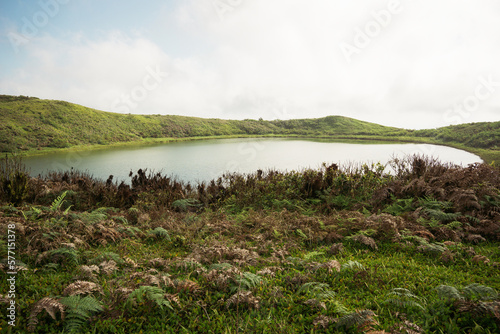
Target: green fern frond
[(301, 234), (106, 256), (79, 309), (56, 204), (415, 239), (311, 287), (247, 281), (448, 292), (356, 319), (105, 210), (220, 266), (429, 202), (350, 265), (313, 254), (131, 231), (121, 219), (185, 204), (432, 248), (399, 206), (151, 293), (160, 233), (317, 290), (478, 291), (64, 254), (337, 307), (454, 225), (67, 210), (440, 215), (404, 298), (90, 217)]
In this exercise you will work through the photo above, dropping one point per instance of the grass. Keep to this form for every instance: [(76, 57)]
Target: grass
[(334, 250), (32, 126)]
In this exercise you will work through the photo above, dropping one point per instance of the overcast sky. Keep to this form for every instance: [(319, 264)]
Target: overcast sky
[(412, 64)]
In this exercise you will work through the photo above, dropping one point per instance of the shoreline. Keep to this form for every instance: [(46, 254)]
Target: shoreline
[(488, 156)]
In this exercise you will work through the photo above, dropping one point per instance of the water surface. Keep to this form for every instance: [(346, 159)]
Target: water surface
[(204, 160)]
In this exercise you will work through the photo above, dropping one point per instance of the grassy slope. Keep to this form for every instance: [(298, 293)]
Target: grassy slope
[(30, 124)]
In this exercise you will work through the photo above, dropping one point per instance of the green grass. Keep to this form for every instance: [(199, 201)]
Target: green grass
[(35, 126), (318, 251)]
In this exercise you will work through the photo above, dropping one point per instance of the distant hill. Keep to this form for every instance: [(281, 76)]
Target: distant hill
[(29, 123), (32, 123), (481, 135)]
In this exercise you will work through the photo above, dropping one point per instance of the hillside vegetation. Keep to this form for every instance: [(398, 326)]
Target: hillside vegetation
[(30, 124), (335, 250)]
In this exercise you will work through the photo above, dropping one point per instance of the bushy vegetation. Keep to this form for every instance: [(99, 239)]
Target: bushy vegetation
[(341, 249)]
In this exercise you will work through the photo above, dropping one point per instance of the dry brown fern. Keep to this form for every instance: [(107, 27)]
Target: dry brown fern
[(108, 267), (480, 259), (243, 298), (268, 271), (365, 240), (48, 304), (330, 266), (88, 271), (323, 321), (475, 238), (337, 248), (158, 263), (81, 287), (105, 234), (314, 303), (129, 262), (187, 286)]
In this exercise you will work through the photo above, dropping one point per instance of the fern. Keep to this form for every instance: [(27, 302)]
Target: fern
[(67, 210), (92, 217), (337, 307), (160, 233), (448, 292), (301, 234), (317, 290), (440, 215), (79, 309), (151, 293), (220, 266), (50, 305), (184, 205), (480, 292), (105, 210), (432, 248), (399, 206), (360, 319), (121, 219), (247, 281), (430, 203), (64, 254), (313, 254), (57, 203), (404, 298), (351, 265), (106, 256), (454, 225)]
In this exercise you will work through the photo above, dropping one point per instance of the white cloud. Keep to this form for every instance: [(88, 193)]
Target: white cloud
[(283, 59)]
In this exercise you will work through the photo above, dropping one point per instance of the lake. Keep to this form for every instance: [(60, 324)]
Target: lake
[(204, 160)]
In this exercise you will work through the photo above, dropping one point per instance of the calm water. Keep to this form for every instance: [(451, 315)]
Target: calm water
[(205, 160)]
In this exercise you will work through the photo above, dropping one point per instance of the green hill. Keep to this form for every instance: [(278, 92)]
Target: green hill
[(29, 124)]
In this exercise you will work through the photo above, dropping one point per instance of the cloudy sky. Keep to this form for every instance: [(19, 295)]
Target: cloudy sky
[(407, 63)]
